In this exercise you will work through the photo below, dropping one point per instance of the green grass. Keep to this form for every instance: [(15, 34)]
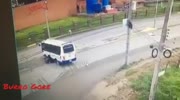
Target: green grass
[(53, 25), (163, 4), (130, 72), (142, 86), (39, 32), (168, 85)]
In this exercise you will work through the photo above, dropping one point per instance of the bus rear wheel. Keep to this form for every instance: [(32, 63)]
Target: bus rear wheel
[(46, 59)]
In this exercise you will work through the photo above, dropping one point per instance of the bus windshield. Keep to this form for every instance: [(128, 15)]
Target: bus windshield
[(68, 48)]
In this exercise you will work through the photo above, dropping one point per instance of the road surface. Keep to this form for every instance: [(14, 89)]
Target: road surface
[(75, 86), (100, 53)]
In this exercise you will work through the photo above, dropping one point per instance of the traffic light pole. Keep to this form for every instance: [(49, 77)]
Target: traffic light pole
[(46, 16), (160, 49), (156, 13), (47, 23), (128, 33)]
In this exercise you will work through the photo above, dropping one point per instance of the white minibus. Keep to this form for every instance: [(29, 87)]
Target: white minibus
[(59, 51)]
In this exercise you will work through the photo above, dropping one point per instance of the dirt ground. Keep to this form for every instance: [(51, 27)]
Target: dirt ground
[(118, 86)]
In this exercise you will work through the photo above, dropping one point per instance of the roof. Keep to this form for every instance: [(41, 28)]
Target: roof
[(54, 42)]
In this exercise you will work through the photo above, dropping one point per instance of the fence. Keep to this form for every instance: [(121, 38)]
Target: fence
[(88, 24)]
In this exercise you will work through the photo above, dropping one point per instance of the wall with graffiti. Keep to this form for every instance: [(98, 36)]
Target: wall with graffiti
[(33, 14)]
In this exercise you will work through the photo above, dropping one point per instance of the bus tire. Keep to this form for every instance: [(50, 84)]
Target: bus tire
[(50, 59), (60, 63), (46, 59), (56, 61), (154, 53), (167, 51)]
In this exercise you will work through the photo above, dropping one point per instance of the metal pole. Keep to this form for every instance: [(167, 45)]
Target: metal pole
[(47, 23), (171, 8), (127, 47), (157, 1), (17, 2), (128, 33), (160, 48)]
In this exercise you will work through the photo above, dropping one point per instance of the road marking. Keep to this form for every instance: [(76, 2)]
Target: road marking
[(34, 44), (149, 29)]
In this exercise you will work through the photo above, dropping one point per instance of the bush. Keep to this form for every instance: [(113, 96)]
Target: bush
[(37, 33), (22, 39)]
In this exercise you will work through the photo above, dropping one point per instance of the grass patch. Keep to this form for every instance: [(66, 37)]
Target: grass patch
[(37, 33), (53, 25), (142, 86), (168, 85), (130, 72)]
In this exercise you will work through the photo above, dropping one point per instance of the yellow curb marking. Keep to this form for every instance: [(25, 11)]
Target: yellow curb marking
[(149, 29), (31, 45)]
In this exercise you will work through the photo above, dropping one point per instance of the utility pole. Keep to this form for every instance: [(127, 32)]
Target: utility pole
[(171, 8), (17, 3), (46, 16), (128, 33), (157, 1), (160, 49)]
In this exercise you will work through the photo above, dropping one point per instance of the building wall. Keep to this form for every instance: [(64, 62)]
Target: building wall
[(121, 2), (33, 14), (82, 5)]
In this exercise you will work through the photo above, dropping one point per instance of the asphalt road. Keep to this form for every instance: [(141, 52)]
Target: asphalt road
[(100, 53), (75, 86)]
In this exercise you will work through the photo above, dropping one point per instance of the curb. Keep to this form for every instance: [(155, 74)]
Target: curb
[(31, 45)]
